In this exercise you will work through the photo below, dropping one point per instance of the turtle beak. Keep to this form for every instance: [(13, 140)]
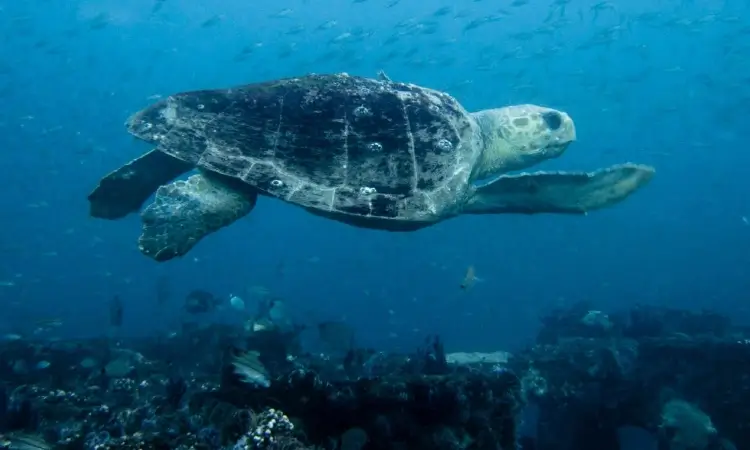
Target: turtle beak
[(569, 128), (561, 125), (562, 131)]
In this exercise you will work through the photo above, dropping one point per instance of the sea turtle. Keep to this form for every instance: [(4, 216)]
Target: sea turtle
[(369, 152)]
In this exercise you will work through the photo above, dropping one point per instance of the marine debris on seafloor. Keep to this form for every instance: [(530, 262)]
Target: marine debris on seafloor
[(679, 375)]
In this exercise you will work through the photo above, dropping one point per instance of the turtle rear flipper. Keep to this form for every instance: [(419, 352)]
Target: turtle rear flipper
[(185, 211), (559, 192), (123, 191)]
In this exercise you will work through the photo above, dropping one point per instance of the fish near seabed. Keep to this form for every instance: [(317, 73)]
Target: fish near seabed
[(250, 370), (24, 441), (470, 279), (236, 302)]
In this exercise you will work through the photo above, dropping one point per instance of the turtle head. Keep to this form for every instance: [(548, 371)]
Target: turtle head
[(520, 136)]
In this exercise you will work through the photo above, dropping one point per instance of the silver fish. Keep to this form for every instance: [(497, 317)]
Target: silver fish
[(251, 370)]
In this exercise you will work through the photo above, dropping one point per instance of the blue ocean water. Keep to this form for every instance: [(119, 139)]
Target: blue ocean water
[(661, 83)]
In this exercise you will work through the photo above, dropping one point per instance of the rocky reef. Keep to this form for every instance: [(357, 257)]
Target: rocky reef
[(137, 400), (680, 376)]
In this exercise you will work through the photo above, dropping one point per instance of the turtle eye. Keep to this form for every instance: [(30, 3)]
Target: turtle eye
[(552, 120)]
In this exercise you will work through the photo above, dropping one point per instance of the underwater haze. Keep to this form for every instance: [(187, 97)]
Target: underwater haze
[(663, 83)]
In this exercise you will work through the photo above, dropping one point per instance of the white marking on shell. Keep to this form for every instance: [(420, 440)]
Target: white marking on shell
[(278, 129), (375, 147), (333, 199), (444, 144), (412, 152), (246, 174), (169, 112), (403, 96), (430, 203), (293, 191), (345, 164), (362, 111), (277, 183), (434, 99)]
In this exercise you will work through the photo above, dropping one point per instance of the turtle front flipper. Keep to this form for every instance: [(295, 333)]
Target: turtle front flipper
[(559, 192), (124, 190), (185, 211)]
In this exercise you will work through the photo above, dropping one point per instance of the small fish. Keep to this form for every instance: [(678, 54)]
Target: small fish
[(119, 368), (282, 14), (24, 442), (99, 22), (257, 326), (470, 279), (41, 365), (237, 303), (88, 363), (444, 11), (12, 337), (327, 25), (251, 370), (212, 21), (158, 5), (47, 325), (295, 30)]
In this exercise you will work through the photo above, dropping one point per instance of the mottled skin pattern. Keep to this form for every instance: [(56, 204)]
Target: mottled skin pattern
[(341, 146), (185, 211)]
